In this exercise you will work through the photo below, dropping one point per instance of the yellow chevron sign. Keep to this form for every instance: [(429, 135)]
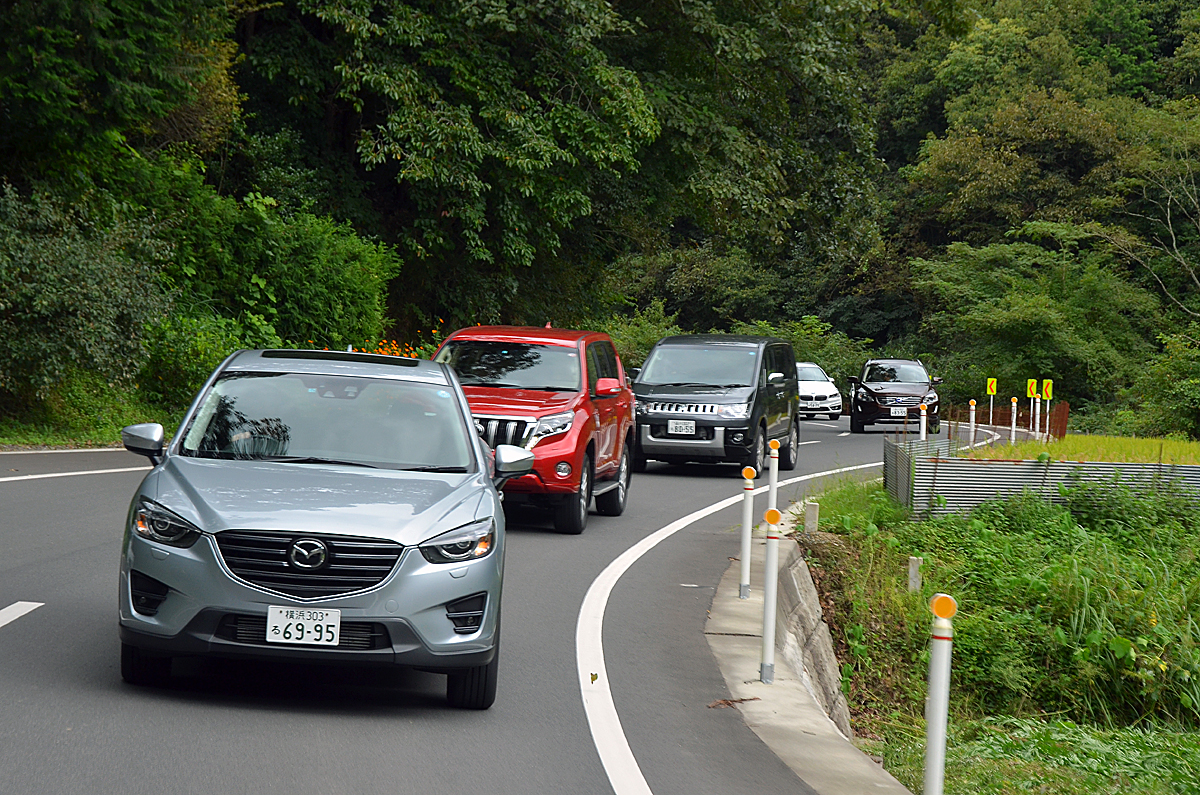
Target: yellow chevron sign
[(991, 386), (1031, 390)]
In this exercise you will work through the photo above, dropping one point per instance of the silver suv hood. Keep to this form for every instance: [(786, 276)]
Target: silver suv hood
[(406, 507)]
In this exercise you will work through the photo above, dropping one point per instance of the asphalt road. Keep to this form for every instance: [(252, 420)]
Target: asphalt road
[(68, 724)]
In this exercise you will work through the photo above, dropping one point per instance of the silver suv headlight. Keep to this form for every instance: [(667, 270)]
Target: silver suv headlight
[(735, 411), (550, 425), (154, 522), (467, 543)]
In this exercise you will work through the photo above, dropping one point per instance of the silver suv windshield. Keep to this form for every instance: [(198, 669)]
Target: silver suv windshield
[(899, 372), (701, 365), (515, 365), (315, 419)]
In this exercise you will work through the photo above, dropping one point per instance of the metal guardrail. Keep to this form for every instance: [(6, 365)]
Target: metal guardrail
[(928, 480)]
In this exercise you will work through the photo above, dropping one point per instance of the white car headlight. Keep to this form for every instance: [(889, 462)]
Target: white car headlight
[(735, 411), (469, 542), (550, 425)]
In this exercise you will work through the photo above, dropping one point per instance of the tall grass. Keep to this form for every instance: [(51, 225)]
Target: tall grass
[(1100, 448), (1087, 612)]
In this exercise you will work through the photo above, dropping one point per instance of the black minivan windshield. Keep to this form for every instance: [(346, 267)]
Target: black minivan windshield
[(301, 418), (701, 365)]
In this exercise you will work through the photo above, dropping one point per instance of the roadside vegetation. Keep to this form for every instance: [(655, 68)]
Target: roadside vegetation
[(1083, 447), (1077, 644)]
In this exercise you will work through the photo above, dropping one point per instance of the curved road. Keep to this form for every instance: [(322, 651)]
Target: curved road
[(68, 724)]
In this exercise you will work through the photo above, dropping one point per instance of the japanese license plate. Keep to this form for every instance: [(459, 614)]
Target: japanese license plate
[(309, 626), (812, 404), (899, 411), (682, 427)]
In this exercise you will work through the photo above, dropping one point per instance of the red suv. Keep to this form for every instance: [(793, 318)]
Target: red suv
[(561, 394)]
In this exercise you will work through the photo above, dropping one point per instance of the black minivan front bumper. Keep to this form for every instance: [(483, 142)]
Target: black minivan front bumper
[(727, 440)]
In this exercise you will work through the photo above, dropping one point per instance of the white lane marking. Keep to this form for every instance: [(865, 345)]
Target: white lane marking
[(73, 474), (815, 441), (847, 433), (80, 450), (822, 424), (16, 610), (611, 744)]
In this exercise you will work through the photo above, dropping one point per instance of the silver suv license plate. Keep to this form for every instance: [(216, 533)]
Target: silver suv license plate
[(303, 625), (682, 427)]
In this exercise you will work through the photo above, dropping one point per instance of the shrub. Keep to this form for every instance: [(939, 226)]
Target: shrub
[(76, 288), (634, 335), (181, 353), (814, 340)]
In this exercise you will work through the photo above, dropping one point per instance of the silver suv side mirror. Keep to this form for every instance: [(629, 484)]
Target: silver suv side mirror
[(144, 439), (512, 462)]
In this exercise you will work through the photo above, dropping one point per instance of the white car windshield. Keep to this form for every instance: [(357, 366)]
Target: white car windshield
[(810, 373), (898, 372), (313, 419), (515, 365), (701, 365)]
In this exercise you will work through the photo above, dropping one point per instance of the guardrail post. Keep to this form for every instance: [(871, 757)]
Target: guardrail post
[(923, 422), (972, 423), (766, 671), (937, 702), (748, 475), (773, 476), (1012, 431)]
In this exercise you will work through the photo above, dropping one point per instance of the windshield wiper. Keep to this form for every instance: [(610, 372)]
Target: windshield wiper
[(730, 386), (312, 459), (681, 383), (433, 469)]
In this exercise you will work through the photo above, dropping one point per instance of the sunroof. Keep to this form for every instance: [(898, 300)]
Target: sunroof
[(370, 358)]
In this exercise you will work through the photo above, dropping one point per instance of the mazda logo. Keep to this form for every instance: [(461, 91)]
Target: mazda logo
[(308, 554)]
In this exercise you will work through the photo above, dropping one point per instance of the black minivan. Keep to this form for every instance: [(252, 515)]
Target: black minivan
[(717, 397)]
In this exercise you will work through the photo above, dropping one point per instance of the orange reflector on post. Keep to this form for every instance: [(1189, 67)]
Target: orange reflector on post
[(773, 444), (748, 473), (943, 605), (773, 516)]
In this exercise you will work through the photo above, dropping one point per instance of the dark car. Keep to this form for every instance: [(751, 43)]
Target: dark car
[(892, 391), (717, 397)]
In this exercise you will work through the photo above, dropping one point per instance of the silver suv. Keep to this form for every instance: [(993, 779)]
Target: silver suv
[(324, 507)]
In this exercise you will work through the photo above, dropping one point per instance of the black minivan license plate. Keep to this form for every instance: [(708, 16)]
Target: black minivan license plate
[(681, 427)]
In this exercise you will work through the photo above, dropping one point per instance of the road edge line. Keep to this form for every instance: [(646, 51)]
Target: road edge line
[(73, 474)]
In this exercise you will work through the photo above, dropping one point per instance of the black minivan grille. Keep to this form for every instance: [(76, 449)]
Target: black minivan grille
[(352, 563)]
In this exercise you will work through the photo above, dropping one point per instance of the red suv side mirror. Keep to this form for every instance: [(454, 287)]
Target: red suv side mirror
[(608, 387)]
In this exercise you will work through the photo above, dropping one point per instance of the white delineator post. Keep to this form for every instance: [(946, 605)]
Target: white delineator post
[(1031, 428), (766, 671), (937, 702), (773, 476), (1037, 418), (923, 423), (991, 409), (748, 475), (1012, 432), (972, 423)]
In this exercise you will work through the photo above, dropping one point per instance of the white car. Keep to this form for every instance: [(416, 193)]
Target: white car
[(818, 393)]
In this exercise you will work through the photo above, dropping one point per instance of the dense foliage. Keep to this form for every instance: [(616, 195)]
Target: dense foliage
[(1085, 611)]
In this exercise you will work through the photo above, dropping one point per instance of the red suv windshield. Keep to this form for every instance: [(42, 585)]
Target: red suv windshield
[(516, 365)]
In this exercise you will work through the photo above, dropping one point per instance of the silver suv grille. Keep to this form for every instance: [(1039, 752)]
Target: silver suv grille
[(261, 557), (683, 408), (498, 430)]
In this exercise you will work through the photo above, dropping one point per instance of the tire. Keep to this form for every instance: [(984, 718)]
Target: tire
[(789, 455), (639, 459), (141, 669), (474, 688), (933, 427), (572, 513), (809, 416), (835, 417), (856, 425), (758, 456), (612, 503)]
